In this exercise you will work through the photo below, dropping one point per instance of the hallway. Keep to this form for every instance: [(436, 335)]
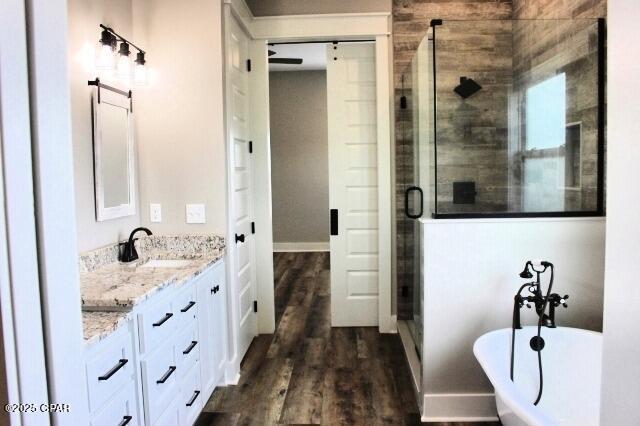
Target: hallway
[(309, 373)]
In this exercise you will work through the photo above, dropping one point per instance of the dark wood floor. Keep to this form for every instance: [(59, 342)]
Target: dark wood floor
[(310, 373)]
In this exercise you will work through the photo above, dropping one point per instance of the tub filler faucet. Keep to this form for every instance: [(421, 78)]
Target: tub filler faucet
[(542, 302)]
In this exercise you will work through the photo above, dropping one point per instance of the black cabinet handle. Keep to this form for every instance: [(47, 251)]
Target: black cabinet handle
[(190, 347), (189, 306), (125, 420), (406, 202), (166, 375), (163, 320), (215, 289), (114, 370), (193, 398), (239, 238)]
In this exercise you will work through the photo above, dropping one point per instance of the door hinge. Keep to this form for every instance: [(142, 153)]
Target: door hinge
[(249, 65), (253, 227), (255, 306), (250, 147)]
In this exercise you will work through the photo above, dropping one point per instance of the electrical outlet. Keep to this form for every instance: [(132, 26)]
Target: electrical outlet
[(196, 213), (155, 212)]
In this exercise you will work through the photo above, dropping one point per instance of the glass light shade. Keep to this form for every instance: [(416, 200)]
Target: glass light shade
[(140, 74), (124, 67), (105, 58)]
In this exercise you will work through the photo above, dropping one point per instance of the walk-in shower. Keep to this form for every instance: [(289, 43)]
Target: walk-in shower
[(496, 118)]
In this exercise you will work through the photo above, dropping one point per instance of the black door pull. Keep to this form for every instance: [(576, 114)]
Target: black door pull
[(163, 320), (189, 306), (121, 363), (334, 221), (125, 420), (406, 202), (166, 375), (239, 238), (190, 347), (193, 398)]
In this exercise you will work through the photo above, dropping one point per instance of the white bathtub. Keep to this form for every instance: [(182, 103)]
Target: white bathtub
[(571, 361)]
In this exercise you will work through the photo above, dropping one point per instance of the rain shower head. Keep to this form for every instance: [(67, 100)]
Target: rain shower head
[(467, 87)]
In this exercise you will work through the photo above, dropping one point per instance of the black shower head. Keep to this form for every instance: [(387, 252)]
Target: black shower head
[(467, 87)]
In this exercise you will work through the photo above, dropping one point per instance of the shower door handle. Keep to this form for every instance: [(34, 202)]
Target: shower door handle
[(406, 202)]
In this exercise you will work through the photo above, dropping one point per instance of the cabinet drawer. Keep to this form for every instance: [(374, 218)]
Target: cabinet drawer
[(120, 410), (170, 417), (185, 306), (156, 323), (110, 367), (159, 380), (191, 399), (187, 347)]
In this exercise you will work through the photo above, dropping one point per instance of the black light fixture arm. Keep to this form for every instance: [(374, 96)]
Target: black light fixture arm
[(120, 38)]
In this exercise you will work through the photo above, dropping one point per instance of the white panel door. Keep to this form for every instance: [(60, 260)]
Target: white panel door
[(241, 240), (353, 183)]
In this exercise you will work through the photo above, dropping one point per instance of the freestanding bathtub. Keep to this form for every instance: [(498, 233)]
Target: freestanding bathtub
[(571, 362)]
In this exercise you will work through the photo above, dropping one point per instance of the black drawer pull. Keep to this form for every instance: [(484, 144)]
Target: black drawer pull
[(193, 398), (189, 306), (239, 238), (166, 375), (114, 370), (215, 289), (163, 320), (190, 347), (125, 420)]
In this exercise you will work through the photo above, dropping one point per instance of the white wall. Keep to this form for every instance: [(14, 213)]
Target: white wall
[(180, 124), (299, 156), (84, 33), (471, 277), (621, 352)]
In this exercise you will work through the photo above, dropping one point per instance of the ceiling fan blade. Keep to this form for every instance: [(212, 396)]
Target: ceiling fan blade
[(288, 61), (271, 52)]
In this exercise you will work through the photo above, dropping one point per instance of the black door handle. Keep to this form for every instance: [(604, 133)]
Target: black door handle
[(125, 420), (163, 320), (166, 375), (406, 202), (334, 221), (121, 363), (239, 238)]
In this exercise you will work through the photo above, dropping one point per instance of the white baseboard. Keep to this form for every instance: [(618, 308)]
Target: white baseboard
[(470, 407), (302, 247)]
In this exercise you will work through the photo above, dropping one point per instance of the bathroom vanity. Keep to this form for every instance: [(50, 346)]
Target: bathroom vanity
[(155, 331)]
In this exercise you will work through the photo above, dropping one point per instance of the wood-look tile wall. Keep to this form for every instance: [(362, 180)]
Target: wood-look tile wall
[(478, 126)]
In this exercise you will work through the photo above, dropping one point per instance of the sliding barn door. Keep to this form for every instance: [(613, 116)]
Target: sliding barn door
[(353, 184)]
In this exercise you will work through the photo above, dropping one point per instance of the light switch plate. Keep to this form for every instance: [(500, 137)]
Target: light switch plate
[(195, 213), (155, 212)]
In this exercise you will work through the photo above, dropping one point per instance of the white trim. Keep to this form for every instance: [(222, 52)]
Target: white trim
[(309, 27), (300, 247), (459, 407), (55, 207)]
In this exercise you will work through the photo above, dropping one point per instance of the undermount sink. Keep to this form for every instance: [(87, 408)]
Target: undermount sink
[(166, 263)]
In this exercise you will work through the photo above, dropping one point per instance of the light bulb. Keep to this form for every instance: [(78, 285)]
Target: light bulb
[(140, 75), (124, 67), (105, 58)]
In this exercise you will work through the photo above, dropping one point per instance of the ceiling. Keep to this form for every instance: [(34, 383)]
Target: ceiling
[(314, 56)]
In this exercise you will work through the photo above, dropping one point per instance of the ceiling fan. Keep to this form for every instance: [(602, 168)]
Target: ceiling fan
[(288, 61)]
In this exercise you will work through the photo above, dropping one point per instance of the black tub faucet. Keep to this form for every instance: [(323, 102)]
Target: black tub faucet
[(129, 253)]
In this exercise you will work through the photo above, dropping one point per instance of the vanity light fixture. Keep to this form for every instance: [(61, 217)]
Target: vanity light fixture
[(109, 40)]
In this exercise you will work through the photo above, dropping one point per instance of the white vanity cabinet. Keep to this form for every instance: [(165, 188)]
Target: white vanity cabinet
[(112, 380), (175, 350)]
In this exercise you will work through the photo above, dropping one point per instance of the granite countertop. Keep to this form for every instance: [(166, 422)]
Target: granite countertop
[(110, 289), (121, 286), (98, 325)]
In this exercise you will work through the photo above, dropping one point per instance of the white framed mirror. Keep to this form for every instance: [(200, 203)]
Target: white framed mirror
[(113, 152)]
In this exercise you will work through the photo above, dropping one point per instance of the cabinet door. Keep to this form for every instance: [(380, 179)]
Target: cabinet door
[(218, 323), (204, 297)]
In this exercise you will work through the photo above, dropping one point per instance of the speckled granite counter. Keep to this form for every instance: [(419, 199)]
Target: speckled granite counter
[(110, 289), (98, 325)]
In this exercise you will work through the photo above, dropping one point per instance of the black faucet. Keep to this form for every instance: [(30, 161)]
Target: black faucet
[(129, 253)]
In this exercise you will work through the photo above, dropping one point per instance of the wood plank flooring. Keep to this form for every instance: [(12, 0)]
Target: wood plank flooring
[(310, 373)]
